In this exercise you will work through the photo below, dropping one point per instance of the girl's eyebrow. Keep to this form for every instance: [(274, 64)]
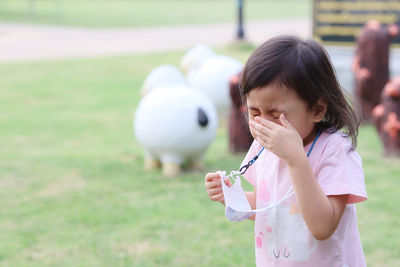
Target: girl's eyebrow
[(252, 108), (275, 110), (271, 110)]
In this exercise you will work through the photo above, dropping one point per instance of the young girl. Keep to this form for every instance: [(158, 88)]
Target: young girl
[(296, 110)]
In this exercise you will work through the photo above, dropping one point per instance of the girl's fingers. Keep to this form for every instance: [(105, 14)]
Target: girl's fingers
[(227, 181), (217, 184), (265, 143), (269, 124), (217, 197), (212, 180), (285, 122), (260, 129), (213, 184), (214, 191), (211, 176), (261, 136), (264, 140)]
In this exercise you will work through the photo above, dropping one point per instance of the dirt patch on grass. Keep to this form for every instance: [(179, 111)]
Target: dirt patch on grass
[(40, 253), (67, 183), (137, 249)]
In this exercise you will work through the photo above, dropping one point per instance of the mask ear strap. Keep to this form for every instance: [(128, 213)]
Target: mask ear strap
[(231, 176), (234, 175)]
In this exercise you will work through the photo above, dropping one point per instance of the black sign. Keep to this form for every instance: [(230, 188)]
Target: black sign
[(340, 21)]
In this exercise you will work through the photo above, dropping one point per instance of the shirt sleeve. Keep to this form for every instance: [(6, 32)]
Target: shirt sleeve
[(249, 175), (340, 171)]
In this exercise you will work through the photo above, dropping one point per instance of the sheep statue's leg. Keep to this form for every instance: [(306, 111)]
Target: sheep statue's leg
[(151, 162), (171, 169), (197, 164), (171, 165)]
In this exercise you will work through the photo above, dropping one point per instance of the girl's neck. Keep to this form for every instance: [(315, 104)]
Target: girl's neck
[(308, 140)]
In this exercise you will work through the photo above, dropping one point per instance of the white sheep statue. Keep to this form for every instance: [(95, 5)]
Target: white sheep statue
[(194, 58), (174, 126), (165, 76), (210, 74), (212, 79)]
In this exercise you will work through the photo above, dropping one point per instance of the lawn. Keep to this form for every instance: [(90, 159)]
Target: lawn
[(74, 193), (144, 13)]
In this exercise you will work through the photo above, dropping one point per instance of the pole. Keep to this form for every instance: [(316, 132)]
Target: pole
[(240, 30)]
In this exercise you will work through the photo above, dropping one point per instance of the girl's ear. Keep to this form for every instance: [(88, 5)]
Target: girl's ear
[(320, 109)]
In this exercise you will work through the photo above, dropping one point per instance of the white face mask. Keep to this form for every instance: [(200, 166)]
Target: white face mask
[(237, 207)]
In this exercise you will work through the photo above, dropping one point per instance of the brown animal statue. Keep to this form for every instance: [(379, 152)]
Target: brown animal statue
[(240, 137), (386, 117), (371, 64)]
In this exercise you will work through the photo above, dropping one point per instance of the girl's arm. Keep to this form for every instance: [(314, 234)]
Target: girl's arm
[(320, 212), (251, 197)]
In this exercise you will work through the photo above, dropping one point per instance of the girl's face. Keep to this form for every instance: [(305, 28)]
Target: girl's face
[(272, 100)]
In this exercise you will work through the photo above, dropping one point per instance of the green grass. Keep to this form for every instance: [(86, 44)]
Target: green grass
[(378, 218), (74, 193), (144, 13)]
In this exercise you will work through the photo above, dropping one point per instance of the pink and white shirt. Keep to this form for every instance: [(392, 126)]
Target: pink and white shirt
[(281, 235)]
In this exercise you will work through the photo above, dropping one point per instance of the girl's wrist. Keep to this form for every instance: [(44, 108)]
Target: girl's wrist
[(297, 159)]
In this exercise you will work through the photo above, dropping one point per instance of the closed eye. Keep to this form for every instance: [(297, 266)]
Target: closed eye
[(254, 112), (275, 115)]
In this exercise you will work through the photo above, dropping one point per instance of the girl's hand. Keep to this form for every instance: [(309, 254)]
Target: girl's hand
[(284, 141), (214, 188)]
